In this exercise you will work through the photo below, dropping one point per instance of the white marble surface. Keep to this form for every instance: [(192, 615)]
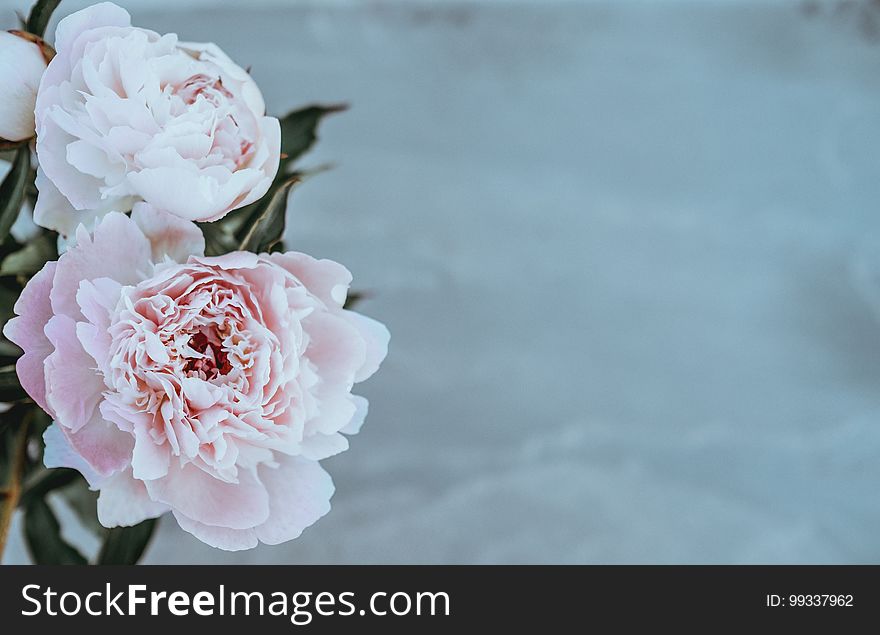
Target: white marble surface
[(625, 250)]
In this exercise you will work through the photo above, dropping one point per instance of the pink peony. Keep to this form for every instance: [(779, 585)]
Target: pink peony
[(124, 114), (210, 387)]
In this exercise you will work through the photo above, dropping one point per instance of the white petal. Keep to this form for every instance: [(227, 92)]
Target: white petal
[(124, 502)]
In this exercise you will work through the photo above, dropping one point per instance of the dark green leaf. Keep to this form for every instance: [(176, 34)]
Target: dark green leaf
[(10, 388), (217, 240), (47, 481), (40, 14), (267, 226), (8, 349), (12, 190), (84, 503), (126, 545), (43, 534), (30, 259), (7, 301), (11, 423), (298, 129)]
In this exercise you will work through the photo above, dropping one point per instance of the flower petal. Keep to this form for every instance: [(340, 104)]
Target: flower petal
[(73, 387), (300, 492), (219, 537), (118, 250), (197, 494), (168, 234), (124, 502), (59, 453), (34, 311), (377, 337)]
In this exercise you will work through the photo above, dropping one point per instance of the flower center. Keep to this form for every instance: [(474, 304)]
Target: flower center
[(211, 88), (211, 360)]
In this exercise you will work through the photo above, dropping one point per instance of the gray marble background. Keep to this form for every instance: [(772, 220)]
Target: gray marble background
[(628, 253)]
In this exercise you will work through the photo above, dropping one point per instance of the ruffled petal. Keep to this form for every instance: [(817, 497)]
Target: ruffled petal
[(34, 311)]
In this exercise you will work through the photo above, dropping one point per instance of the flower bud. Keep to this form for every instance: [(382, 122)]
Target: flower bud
[(22, 62), (23, 58)]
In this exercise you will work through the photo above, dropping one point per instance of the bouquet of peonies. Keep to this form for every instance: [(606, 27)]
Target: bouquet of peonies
[(162, 351)]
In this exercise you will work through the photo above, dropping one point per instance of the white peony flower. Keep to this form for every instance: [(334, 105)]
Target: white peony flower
[(124, 114)]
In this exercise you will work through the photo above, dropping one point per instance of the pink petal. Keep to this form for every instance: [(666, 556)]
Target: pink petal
[(34, 310), (54, 211), (361, 408), (169, 235), (325, 279), (102, 444), (219, 537), (124, 502), (199, 495), (335, 346), (59, 453), (190, 194), (300, 492), (118, 250), (376, 336), (73, 387), (318, 447), (97, 15), (149, 459)]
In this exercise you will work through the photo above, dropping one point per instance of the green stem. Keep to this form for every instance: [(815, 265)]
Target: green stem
[(11, 491)]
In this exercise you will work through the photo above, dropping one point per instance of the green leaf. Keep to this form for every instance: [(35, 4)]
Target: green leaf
[(47, 481), (7, 301), (11, 423), (10, 388), (126, 545), (84, 503), (12, 190), (8, 349), (39, 16), (267, 226), (218, 241), (31, 258), (299, 129), (43, 535)]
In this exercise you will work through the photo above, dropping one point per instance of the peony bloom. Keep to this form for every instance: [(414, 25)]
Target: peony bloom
[(22, 63), (124, 114), (210, 387)]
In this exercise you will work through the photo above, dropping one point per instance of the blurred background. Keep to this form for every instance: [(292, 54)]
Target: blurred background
[(629, 253)]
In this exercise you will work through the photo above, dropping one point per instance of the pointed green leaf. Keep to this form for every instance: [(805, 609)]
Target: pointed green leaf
[(126, 545), (12, 190), (40, 15), (267, 227), (299, 129), (43, 535)]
